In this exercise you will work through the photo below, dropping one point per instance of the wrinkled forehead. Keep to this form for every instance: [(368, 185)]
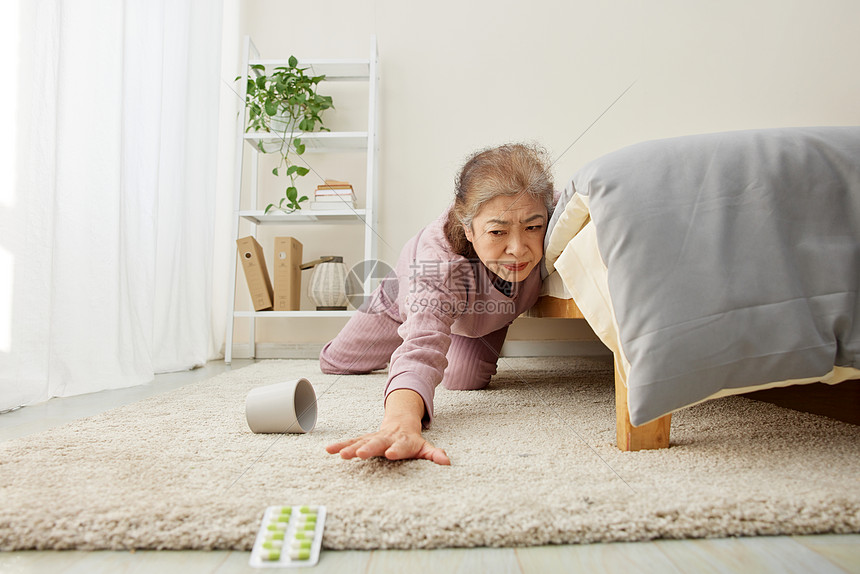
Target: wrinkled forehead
[(512, 209)]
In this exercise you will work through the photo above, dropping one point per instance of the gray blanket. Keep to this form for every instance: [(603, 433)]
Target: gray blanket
[(733, 259)]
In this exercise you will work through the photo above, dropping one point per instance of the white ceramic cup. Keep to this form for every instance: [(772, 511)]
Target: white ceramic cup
[(289, 407)]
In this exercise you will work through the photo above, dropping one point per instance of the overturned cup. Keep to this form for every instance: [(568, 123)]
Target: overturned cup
[(289, 407)]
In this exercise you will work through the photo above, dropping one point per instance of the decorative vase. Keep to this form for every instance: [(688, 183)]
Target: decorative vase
[(327, 287)]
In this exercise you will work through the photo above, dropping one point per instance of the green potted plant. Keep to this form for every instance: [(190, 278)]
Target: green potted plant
[(285, 102)]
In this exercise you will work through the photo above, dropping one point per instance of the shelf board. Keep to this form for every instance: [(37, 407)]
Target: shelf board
[(305, 216), (294, 314), (314, 141), (333, 70)]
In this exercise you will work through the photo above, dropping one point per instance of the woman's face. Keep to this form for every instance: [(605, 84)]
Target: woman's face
[(507, 234)]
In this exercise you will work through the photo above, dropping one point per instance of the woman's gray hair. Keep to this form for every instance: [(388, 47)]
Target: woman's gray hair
[(508, 170)]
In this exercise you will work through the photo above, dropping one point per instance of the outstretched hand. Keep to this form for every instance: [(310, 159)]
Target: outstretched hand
[(392, 443), (399, 435)]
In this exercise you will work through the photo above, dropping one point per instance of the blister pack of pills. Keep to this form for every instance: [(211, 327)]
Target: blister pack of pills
[(289, 536)]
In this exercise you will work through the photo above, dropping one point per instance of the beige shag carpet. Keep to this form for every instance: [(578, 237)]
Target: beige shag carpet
[(534, 462)]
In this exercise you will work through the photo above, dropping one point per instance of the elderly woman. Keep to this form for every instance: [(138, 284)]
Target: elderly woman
[(459, 284)]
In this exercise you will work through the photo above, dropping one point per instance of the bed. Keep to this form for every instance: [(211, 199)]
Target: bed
[(712, 265)]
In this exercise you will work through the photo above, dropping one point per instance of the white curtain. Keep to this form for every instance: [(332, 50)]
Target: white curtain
[(108, 213)]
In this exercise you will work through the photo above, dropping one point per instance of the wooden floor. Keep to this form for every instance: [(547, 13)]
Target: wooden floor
[(807, 555), (801, 554)]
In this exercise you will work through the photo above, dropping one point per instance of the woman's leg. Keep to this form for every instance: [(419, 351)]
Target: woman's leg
[(472, 362), (365, 344)]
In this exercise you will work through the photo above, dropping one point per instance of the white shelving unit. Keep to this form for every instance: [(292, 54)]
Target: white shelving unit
[(335, 70)]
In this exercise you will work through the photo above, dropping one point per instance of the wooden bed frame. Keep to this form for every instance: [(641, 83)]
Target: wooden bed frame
[(648, 436)]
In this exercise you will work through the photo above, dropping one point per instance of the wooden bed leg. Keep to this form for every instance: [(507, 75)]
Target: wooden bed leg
[(648, 436)]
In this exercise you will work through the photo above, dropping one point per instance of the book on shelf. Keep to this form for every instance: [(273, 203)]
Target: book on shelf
[(328, 196), (332, 205), (348, 198), (333, 183), (335, 197), (334, 187)]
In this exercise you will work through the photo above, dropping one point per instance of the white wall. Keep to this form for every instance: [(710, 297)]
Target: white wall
[(457, 76)]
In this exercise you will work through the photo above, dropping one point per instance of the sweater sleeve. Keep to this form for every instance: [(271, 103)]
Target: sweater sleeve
[(430, 308)]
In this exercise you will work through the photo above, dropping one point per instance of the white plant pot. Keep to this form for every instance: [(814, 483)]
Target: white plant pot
[(279, 126)]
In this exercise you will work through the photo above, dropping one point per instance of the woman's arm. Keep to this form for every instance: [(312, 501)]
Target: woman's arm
[(399, 435)]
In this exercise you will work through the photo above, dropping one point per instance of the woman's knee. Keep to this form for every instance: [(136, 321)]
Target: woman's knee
[(472, 361), (453, 384), (332, 364), (471, 375), (329, 367)]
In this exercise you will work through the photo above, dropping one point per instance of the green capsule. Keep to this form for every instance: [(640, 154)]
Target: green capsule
[(302, 554), (272, 555)]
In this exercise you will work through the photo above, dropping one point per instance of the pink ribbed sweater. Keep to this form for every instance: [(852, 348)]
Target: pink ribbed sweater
[(442, 293)]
